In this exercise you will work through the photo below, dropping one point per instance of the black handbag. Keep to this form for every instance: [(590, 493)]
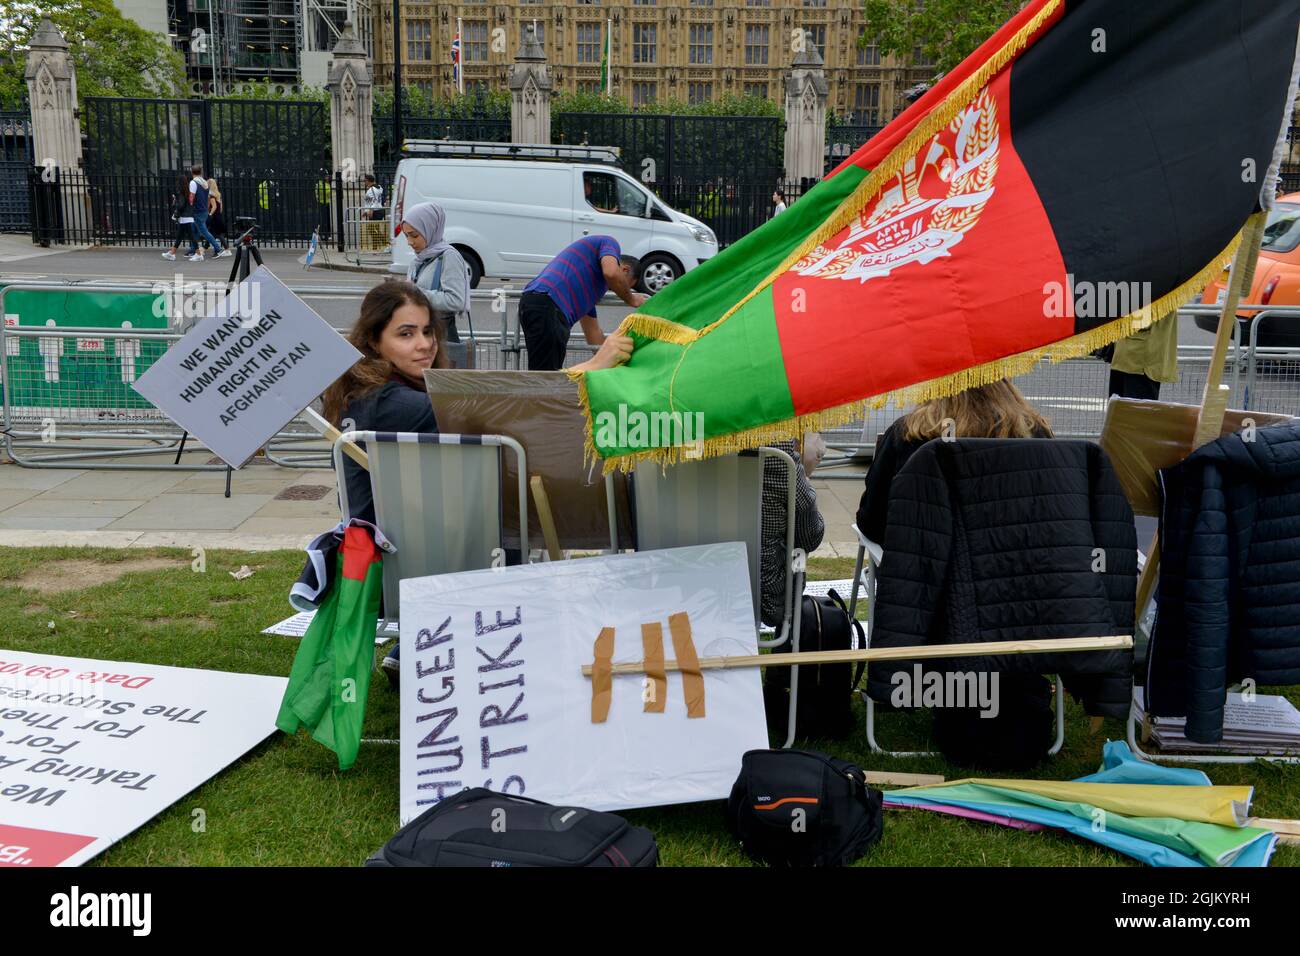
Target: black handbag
[(803, 808), (825, 706), (479, 827)]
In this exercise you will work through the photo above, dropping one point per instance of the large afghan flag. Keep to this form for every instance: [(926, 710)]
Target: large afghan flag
[(1082, 174)]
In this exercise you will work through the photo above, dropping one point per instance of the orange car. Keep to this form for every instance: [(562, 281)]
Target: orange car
[(1277, 280)]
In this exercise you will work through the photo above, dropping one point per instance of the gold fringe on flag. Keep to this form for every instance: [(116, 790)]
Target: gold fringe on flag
[(1007, 367)]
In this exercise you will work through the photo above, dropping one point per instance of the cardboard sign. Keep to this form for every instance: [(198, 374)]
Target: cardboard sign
[(493, 693), (245, 371), (91, 750)]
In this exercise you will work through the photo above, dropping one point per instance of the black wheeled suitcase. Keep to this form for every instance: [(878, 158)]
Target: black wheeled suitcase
[(483, 828)]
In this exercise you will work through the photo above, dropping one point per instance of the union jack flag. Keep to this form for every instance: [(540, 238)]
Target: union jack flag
[(455, 59)]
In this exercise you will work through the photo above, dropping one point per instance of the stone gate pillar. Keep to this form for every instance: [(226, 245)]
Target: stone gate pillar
[(530, 92), (806, 92)]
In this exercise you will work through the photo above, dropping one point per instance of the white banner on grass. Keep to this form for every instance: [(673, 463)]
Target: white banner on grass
[(493, 693), (90, 750), (246, 370)]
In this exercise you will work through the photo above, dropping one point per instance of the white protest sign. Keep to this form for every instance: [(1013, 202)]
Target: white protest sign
[(493, 693), (242, 373), (91, 750)]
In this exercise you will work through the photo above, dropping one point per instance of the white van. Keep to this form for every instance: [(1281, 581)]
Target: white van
[(509, 216)]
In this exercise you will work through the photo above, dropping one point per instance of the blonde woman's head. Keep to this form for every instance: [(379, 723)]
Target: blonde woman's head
[(996, 410)]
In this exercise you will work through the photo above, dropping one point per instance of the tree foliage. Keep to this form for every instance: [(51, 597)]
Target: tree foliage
[(947, 31), (113, 56), (728, 104), (492, 104)]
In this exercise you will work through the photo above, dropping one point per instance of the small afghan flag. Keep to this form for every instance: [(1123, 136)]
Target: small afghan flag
[(1081, 175), (330, 677)]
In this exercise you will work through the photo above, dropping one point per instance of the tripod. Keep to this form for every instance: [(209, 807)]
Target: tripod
[(240, 269), (245, 250)]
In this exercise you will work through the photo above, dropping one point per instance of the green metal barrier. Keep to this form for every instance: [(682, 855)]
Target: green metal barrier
[(81, 371)]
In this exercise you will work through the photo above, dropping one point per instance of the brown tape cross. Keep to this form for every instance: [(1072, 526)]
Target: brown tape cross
[(652, 643), (602, 677), (688, 662)]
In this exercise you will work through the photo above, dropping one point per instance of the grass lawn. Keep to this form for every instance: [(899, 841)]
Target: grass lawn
[(286, 803)]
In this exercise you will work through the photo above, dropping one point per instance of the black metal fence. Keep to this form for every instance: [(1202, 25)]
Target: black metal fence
[(17, 156), (659, 148), (137, 136), (730, 209), (78, 206), (844, 139)]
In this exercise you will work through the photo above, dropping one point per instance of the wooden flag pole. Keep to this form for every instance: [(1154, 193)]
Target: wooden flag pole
[(330, 432), (1065, 645), (1214, 400), (545, 518)]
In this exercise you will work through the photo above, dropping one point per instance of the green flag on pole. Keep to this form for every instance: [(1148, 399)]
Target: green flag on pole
[(604, 62), (331, 672)]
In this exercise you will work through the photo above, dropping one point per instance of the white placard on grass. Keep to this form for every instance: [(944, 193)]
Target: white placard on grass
[(91, 750), (243, 372), (493, 693)]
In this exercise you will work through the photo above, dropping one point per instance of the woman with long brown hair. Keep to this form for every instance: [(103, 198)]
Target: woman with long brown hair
[(399, 338), (996, 410), (384, 391)]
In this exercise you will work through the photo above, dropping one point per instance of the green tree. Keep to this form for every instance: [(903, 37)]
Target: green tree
[(113, 56), (493, 104), (946, 31)]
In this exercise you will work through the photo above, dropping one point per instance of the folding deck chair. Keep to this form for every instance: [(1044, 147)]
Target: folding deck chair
[(438, 499), (715, 501), (1142, 437)]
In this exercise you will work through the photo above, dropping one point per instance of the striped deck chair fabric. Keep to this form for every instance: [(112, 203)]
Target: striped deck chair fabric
[(438, 498), (702, 502)]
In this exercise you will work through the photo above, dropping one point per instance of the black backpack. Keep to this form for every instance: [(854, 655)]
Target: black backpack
[(803, 808), (482, 828), (826, 690)]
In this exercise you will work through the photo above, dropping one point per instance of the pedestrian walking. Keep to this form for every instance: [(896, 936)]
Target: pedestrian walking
[(779, 199), (180, 214), (198, 190), (565, 294), (373, 204), (216, 212)]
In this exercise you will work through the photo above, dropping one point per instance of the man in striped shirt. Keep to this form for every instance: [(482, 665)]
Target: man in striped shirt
[(565, 294)]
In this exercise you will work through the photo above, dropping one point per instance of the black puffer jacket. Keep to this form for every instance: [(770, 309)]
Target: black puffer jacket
[(1010, 539), (1229, 578)]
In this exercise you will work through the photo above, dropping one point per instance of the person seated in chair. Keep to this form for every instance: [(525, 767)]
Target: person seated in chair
[(1017, 737), (808, 524), (398, 338)]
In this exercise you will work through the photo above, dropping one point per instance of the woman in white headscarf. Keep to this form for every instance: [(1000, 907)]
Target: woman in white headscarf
[(438, 269)]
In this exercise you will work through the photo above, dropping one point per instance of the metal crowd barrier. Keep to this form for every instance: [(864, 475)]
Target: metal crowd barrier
[(49, 420), (1072, 394)]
